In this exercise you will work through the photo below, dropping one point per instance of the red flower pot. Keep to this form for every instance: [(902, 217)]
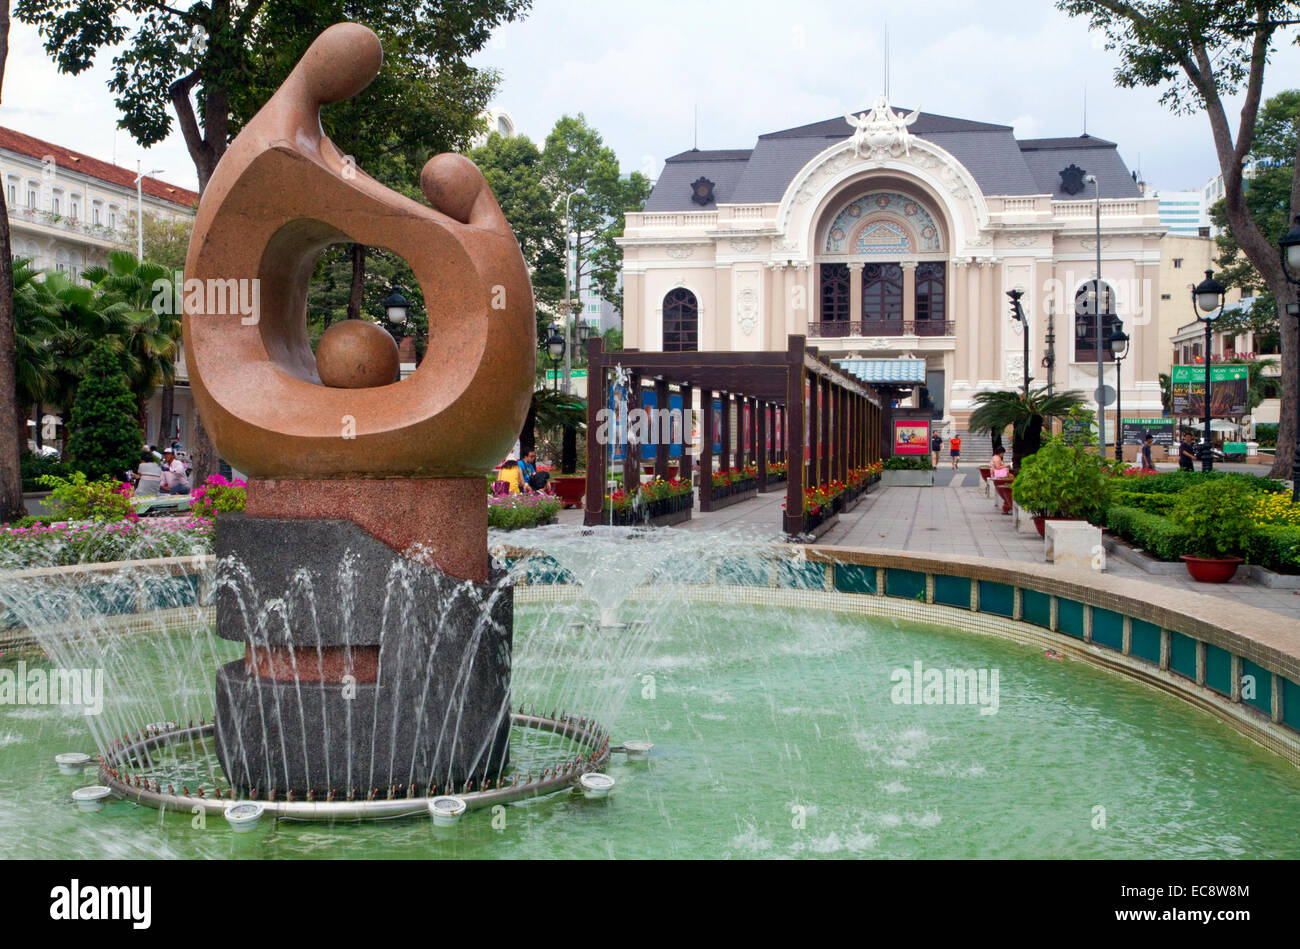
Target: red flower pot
[(1212, 569), (570, 489)]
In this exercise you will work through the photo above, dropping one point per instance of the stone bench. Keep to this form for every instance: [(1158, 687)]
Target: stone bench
[(1075, 544)]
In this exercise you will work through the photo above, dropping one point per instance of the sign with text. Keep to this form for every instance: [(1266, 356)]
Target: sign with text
[(1161, 431), (1228, 387)]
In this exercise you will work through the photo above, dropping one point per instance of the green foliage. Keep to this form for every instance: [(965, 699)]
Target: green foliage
[(1217, 516), (1150, 502), (516, 511), (218, 496), (1174, 482), (147, 334), (76, 498), (1266, 434), (1062, 480), (1159, 536), (907, 463), (105, 437), (1026, 415), (1275, 547), (35, 466)]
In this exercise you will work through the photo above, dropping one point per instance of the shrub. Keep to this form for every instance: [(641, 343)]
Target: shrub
[(218, 496), (34, 466), (62, 544), (1061, 480), (1276, 509), (1151, 503), (105, 438), (908, 463), (513, 511), (1217, 515), (1158, 536), (1276, 547), (1174, 482), (1266, 434), (77, 499)]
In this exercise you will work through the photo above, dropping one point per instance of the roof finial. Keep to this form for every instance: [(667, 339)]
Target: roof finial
[(1085, 108), (886, 59)]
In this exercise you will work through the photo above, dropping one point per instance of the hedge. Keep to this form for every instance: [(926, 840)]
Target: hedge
[(1175, 481), (1275, 547), (1150, 502)]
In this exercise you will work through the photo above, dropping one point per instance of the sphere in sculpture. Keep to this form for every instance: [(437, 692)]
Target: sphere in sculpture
[(356, 354)]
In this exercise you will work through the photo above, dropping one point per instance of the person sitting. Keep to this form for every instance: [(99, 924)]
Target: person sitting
[(173, 479), (998, 467), (148, 475), (532, 477), (512, 475)]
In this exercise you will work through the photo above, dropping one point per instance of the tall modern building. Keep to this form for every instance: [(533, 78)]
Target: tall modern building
[(1185, 213), (896, 235)]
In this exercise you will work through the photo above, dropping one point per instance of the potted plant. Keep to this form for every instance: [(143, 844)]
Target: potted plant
[(1061, 481), (908, 471), (1025, 414), (1218, 519)]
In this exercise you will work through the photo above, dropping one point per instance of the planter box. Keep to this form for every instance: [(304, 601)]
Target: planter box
[(718, 503), (817, 525), (569, 488), (907, 479), (662, 513)]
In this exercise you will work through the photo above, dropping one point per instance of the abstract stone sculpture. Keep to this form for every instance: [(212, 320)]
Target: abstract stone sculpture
[(347, 464)]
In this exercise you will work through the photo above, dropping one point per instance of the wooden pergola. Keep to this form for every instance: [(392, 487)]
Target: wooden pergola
[(795, 392)]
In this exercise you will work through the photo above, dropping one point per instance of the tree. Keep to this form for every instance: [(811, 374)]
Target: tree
[(166, 241), (1025, 414), (34, 315), (11, 437), (513, 168), (575, 156), (213, 63), (149, 335), (1198, 53), (104, 437)]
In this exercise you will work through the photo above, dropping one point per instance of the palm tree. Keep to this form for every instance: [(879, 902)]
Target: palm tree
[(81, 318), (34, 315), (150, 334), (1025, 414)]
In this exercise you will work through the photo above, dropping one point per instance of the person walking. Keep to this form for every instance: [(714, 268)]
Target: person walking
[(936, 447), (954, 449), (1186, 453), (1147, 463)]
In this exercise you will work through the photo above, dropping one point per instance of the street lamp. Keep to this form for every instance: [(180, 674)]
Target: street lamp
[(1118, 338), (396, 306), (1018, 313), (556, 348), (139, 208), (1096, 297), (1289, 247), (1207, 298), (568, 301)]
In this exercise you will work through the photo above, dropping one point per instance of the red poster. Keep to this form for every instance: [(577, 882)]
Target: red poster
[(911, 437)]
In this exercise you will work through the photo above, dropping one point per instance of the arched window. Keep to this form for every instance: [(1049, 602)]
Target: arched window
[(882, 296), (834, 299), (1085, 322), (681, 322), (930, 286)]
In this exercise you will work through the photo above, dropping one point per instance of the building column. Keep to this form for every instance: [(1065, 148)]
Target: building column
[(909, 294), (988, 340), (633, 310), (970, 322), (855, 291)]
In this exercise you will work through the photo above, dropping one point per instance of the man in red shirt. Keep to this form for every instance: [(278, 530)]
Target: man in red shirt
[(954, 447)]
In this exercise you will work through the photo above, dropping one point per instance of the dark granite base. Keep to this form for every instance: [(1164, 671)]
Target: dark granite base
[(437, 712)]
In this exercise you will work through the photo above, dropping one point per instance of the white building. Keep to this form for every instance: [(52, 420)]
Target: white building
[(1184, 213), (67, 210), (898, 235)]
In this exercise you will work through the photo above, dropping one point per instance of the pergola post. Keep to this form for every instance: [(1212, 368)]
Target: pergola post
[(663, 432), (706, 451), (760, 434), (814, 430), (632, 450), (688, 407), (593, 508), (727, 403), (793, 430)]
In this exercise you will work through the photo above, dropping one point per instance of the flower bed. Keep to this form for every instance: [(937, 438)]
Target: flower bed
[(65, 543), (517, 511), (734, 481), (659, 503)]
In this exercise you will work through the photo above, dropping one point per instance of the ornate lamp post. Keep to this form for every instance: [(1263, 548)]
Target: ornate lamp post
[(396, 307), (1118, 338), (1207, 297), (1289, 246), (1097, 311), (555, 348), (568, 297)]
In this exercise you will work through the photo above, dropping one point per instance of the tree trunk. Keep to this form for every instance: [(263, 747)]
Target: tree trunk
[(569, 451), (528, 437), (166, 409), (358, 254), (11, 481)]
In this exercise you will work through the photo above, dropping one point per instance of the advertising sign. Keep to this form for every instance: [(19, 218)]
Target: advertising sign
[(1228, 385), (1161, 431), (911, 437)]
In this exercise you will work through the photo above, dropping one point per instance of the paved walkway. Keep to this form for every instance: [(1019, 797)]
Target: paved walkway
[(955, 517)]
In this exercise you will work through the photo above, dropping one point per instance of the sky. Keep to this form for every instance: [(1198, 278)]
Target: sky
[(640, 70)]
